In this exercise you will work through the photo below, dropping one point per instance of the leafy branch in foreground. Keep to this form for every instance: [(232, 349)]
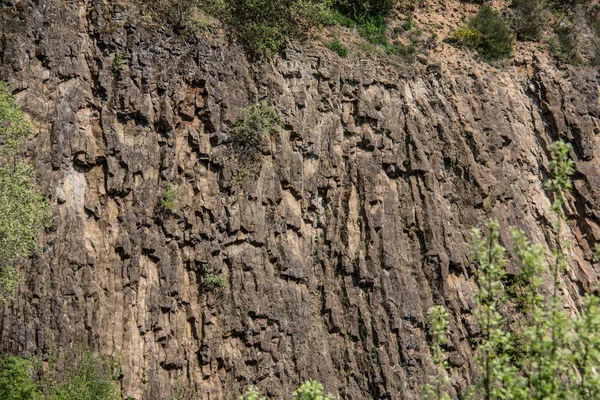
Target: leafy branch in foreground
[(543, 353), (23, 210), (13, 125), (89, 377), (309, 390), (435, 389)]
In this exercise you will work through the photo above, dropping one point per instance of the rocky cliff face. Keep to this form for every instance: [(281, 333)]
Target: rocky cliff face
[(334, 242)]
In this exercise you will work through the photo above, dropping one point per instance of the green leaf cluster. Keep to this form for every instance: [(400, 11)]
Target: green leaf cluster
[(488, 33), (17, 379), (13, 124), (338, 47), (545, 353), (252, 393), (436, 387), (529, 18), (309, 390), (264, 26), (23, 210), (213, 280), (88, 378), (253, 123), (168, 200), (359, 9)]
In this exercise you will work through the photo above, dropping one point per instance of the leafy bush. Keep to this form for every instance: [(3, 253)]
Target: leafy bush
[(338, 48), (13, 125), (310, 390), (254, 122), (373, 28), (212, 280), (577, 34), (17, 379), (529, 18), (265, 25), (89, 378), (496, 40), (488, 33), (168, 201), (23, 214), (252, 393), (435, 389), (543, 354), (23, 210), (466, 36), (359, 9)]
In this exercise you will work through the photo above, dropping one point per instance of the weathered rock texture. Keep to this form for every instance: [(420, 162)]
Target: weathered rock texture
[(351, 223)]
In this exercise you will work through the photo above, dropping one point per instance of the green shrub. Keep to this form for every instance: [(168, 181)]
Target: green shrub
[(310, 390), (466, 36), (373, 29), (496, 39), (168, 201), (359, 9), (338, 48), (89, 378), (252, 393), (488, 33), (23, 210), (13, 125), (265, 25), (577, 34), (435, 388), (529, 19), (543, 353), (213, 280), (116, 64), (314, 12), (17, 379), (252, 124)]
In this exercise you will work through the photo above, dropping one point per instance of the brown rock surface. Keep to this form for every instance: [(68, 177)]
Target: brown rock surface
[(334, 243)]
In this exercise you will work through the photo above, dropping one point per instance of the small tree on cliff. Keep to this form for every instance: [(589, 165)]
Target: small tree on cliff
[(23, 210), (544, 354)]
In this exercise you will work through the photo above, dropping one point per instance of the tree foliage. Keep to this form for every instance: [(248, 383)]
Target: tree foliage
[(253, 123), (545, 353), (530, 18), (264, 26), (17, 379), (23, 210), (359, 9), (168, 200), (309, 390), (13, 124), (488, 33), (89, 377), (435, 389)]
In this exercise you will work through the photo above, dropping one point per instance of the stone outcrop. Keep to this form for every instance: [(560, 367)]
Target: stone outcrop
[(334, 241)]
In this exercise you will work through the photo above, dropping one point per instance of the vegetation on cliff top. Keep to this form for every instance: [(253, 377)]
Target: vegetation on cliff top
[(571, 29)]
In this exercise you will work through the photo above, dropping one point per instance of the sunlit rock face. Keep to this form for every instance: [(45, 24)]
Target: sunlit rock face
[(333, 239)]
